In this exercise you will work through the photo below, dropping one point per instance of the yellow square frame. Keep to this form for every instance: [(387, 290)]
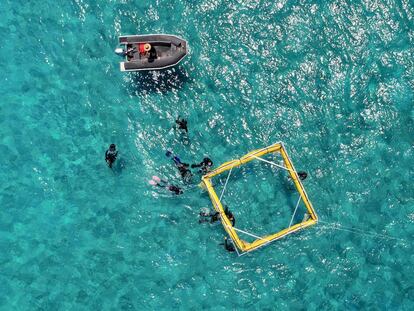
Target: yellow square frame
[(243, 245)]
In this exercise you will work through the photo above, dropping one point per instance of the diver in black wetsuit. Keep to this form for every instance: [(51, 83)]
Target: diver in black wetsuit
[(174, 189), (302, 175), (156, 181), (110, 155), (181, 124), (228, 246), (214, 216), (182, 167), (204, 165), (229, 215)]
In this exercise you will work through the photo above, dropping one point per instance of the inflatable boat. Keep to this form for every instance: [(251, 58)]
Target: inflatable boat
[(150, 52)]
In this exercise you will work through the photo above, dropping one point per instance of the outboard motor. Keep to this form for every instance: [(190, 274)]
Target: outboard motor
[(120, 51)]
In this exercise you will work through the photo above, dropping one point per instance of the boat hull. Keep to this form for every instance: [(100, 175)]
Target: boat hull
[(166, 51)]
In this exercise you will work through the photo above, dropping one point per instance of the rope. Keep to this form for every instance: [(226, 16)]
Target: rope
[(272, 163), (235, 247), (360, 231), (250, 234), (225, 185), (294, 213), (245, 232)]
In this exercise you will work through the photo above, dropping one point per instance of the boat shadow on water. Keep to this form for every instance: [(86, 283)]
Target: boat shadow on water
[(162, 81)]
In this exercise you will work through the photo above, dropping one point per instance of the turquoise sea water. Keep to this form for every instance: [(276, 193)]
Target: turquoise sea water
[(333, 80)]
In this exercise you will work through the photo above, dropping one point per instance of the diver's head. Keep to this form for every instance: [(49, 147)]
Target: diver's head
[(112, 147), (302, 175), (207, 161)]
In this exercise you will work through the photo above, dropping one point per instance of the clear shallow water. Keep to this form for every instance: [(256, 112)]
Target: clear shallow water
[(333, 80)]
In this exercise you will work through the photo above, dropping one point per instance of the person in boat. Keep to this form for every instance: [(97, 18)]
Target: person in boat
[(130, 52), (228, 246), (205, 165), (152, 54), (182, 167), (147, 50), (144, 49), (156, 181), (181, 124), (111, 154)]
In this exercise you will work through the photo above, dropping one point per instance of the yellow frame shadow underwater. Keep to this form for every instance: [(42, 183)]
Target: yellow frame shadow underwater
[(255, 155)]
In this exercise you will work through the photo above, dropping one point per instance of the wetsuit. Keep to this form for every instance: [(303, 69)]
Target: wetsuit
[(229, 246), (302, 175), (182, 168), (230, 215), (175, 189), (152, 54), (164, 184), (205, 165), (182, 124), (213, 217), (184, 172), (231, 218), (110, 156)]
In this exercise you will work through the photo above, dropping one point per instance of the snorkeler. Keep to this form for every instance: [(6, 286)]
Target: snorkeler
[(214, 216), (228, 246), (181, 124), (205, 165), (110, 155), (182, 167), (229, 215), (156, 181), (302, 175)]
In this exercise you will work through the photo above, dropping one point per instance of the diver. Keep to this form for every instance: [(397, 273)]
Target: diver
[(156, 181), (302, 175), (214, 216), (110, 155), (205, 165), (182, 167), (228, 246), (181, 124), (229, 215)]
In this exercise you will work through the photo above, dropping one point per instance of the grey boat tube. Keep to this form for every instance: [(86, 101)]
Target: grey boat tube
[(150, 52)]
